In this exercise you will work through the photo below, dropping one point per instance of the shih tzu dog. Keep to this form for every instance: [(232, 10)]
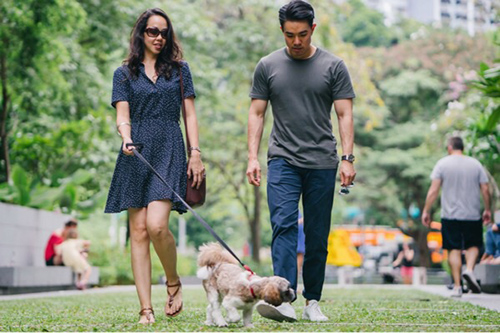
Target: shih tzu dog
[(229, 285)]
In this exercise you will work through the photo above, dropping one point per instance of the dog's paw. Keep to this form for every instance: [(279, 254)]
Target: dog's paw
[(233, 319), (221, 323), (209, 323), (249, 325)]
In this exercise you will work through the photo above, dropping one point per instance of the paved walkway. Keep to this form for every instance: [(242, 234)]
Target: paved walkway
[(91, 291), (489, 301)]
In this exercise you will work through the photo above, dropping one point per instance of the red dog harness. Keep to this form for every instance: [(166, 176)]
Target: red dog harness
[(249, 286)]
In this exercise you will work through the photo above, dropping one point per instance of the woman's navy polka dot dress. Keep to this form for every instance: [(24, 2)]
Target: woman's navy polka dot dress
[(155, 119)]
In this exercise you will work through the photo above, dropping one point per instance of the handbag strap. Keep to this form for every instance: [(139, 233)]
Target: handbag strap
[(184, 111)]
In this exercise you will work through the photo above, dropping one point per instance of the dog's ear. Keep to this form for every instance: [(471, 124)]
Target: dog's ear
[(272, 294)]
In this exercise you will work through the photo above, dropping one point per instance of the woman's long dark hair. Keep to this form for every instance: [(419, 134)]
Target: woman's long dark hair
[(169, 57)]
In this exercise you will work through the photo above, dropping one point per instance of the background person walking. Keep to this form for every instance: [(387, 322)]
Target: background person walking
[(405, 259), (463, 180)]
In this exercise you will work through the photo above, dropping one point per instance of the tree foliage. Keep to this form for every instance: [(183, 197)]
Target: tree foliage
[(57, 60), (363, 26)]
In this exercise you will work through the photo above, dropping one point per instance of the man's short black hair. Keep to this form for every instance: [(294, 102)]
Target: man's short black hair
[(296, 10), (71, 223), (456, 143)]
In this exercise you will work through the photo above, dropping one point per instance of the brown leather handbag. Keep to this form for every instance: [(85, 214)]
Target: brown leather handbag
[(195, 197)]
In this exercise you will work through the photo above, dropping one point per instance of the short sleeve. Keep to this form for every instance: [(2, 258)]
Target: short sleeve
[(341, 83), (437, 172), (483, 177), (187, 80), (260, 85), (121, 86)]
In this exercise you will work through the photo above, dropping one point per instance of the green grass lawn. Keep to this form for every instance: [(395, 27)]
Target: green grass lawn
[(359, 309)]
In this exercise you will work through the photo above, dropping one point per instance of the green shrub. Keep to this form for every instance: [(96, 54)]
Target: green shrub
[(116, 269)]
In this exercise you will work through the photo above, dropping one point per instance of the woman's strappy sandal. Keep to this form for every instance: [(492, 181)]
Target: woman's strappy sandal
[(171, 297), (149, 314)]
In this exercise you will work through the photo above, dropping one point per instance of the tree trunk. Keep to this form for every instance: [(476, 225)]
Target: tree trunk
[(3, 115), (255, 225)]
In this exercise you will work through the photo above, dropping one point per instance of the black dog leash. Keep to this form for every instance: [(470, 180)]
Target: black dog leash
[(137, 147)]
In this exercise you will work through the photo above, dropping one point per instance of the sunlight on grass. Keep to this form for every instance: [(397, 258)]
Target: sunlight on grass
[(360, 309)]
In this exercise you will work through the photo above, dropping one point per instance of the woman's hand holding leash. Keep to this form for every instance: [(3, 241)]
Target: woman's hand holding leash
[(127, 146)]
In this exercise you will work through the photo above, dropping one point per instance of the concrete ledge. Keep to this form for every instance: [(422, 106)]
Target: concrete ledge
[(489, 277), (22, 279)]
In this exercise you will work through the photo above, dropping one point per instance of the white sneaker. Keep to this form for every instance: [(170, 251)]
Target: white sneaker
[(456, 292), (312, 312), (284, 312), (472, 282)]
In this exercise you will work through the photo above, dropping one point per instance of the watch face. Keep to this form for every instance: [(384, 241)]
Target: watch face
[(349, 158)]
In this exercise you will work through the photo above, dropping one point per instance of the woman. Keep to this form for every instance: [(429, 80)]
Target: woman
[(147, 98), (405, 259)]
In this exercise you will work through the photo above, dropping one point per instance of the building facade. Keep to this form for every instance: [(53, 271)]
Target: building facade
[(471, 15)]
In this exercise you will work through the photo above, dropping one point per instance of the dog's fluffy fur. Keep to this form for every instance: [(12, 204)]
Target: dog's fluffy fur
[(226, 283)]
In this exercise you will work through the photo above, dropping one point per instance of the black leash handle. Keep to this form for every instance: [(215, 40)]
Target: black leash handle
[(138, 146)]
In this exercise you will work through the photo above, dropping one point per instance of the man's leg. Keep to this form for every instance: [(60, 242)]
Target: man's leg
[(471, 255), (490, 246), (319, 186), (452, 233), (473, 241), (283, 194), (496, 255), (455, 261)]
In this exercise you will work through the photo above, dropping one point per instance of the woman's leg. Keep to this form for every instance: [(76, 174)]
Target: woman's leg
[(58, 260), (141, 259), (164, 244), (86, 276)]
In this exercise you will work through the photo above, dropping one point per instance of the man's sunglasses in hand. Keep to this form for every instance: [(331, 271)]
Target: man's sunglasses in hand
[(344, 190)]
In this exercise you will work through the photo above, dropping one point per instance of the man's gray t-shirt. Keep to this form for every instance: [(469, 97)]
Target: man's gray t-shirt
[(301, 93), (461, 177)]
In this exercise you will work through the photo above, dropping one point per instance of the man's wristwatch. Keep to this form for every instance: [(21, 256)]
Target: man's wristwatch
[(349, 158)]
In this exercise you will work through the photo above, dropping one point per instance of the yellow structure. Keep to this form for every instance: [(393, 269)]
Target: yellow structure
[(341, 251)]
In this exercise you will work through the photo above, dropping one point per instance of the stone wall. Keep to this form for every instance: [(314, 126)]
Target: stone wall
[(24, 233)]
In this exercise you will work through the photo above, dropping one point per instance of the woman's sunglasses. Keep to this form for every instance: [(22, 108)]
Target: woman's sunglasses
[(154, 32)]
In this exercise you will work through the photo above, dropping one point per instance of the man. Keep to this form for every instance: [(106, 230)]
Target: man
[(302, 82), (57, 237), (463, 180)]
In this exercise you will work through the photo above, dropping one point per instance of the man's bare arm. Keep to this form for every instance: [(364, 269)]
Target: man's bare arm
[(256, 115), (343, 108)]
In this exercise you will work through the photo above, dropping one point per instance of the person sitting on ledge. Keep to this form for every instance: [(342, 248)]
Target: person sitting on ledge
[(56, 238), (492, 254), (72, 251)]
